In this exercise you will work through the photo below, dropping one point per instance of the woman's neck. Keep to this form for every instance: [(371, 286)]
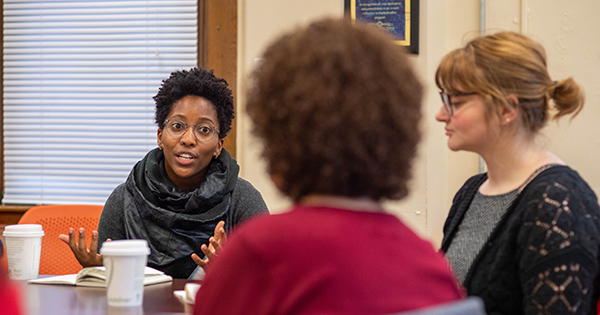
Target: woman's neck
[(342, 202), (510, 164)]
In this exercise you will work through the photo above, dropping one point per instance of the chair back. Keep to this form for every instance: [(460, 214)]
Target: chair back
[(472, 305), (56, 257)]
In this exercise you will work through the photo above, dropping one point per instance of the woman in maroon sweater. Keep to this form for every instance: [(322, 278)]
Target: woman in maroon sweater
[(338, 106), (9, 297)]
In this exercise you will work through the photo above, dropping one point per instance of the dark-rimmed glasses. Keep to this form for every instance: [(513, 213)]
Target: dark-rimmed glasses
[(202, 132), (447, 102)]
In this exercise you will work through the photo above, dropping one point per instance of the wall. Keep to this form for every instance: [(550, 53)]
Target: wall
[(260, 21), (570, 35), (444, 25)]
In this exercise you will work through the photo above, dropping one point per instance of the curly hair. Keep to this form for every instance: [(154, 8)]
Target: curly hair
[(338, 106), (504, 63), (198, 82)]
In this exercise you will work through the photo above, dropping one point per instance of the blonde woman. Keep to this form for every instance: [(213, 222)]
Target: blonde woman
[(524, 236)]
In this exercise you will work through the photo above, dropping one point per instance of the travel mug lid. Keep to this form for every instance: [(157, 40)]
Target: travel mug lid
[(23, 230), (125, 248)]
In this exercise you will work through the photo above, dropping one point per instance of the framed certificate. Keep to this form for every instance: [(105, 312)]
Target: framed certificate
[(399, 17)]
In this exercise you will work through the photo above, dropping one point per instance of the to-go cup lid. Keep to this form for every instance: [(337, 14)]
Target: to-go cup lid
[(125, 248), (23, 230)]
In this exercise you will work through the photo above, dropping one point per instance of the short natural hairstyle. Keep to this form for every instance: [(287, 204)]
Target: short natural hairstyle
[(505, 63), (338, 106), (198, 82)]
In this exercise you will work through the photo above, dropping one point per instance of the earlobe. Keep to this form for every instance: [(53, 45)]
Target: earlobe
[(509, 114), (159, 139), (219, 148)]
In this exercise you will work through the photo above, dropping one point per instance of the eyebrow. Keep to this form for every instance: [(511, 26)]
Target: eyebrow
[(201, 119)]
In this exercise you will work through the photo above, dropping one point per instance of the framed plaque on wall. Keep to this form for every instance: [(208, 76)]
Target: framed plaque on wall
[(399, 17)]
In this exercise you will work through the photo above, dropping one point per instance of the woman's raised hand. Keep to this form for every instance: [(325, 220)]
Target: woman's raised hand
[(216, 243), (85, 257)]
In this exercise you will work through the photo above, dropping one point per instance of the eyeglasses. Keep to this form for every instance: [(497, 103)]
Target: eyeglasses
[(177, 128), (446, 100)]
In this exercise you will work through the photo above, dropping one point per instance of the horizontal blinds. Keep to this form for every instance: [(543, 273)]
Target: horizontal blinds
[(79, 77)]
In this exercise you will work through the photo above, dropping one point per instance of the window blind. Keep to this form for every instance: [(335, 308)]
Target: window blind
[(79, 77)]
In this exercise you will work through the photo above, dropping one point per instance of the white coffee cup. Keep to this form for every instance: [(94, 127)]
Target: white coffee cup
[(23, 250), (125, 261)]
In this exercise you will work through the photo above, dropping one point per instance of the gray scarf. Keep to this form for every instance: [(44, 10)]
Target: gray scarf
[(176, 222)]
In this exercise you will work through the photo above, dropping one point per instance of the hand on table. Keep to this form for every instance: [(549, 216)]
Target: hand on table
[(216, 243), (86, 257)]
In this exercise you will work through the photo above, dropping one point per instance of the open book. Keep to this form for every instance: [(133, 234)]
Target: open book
[(96, 277)]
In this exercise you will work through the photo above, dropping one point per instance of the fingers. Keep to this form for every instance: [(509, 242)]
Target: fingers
[(94, 244), (219, 237), (82, 246), (72, 242), (208, 253), (199, 261), (216, 245), (64, 238), (223, 237), (220, 230), (85, 257), (211, 250)]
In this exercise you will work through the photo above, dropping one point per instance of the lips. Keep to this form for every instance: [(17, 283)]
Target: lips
[(185, 157)]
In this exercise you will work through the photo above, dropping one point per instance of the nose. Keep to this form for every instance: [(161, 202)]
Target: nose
[(188, 137), (442, 115)]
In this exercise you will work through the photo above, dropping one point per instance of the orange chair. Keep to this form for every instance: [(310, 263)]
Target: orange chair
[(56, 257)]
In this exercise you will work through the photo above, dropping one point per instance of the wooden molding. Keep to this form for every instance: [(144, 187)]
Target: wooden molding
[(218, 50), (11, 214)]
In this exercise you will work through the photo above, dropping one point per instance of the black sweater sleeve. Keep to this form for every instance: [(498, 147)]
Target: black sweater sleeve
[(559, 240)]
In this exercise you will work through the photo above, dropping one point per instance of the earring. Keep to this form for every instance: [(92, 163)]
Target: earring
[(507, 120)]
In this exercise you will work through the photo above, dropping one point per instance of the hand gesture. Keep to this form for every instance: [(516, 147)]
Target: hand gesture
[(216, 243), (85, 257)]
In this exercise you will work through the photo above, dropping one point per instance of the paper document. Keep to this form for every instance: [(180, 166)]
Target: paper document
[(188, 296), (96, 277)]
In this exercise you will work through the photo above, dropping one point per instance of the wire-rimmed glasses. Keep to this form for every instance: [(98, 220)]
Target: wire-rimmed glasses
[(202, 132), (447, 101)]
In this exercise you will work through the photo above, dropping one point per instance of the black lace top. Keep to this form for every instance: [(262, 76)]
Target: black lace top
[(542, 257)]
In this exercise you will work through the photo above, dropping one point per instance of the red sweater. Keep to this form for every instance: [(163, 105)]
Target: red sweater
[(9, 296), (325, 261)]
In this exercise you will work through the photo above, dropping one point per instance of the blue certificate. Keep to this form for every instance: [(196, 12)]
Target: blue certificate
[(391, 15)]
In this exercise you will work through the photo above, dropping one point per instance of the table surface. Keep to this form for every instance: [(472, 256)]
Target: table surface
[(42, 299)]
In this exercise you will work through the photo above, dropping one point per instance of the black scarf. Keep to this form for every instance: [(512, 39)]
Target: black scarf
[(176, 222)]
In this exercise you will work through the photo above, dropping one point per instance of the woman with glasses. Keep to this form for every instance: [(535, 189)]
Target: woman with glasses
[(185, 189), (525, 235)]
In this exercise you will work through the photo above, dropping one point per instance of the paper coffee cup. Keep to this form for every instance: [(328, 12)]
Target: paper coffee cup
[(23, 250), (125, 261)]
